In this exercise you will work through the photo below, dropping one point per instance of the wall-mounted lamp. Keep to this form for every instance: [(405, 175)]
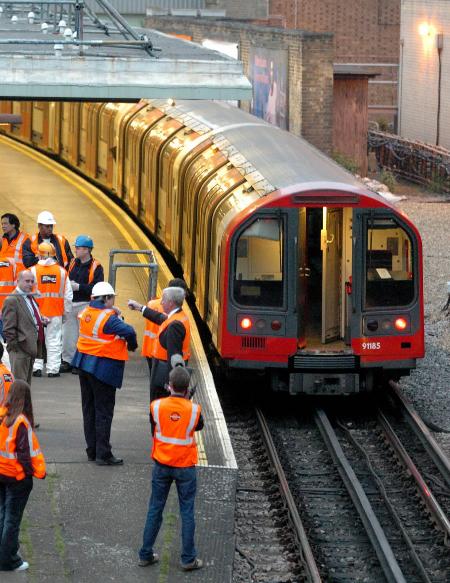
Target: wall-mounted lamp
[(425, 29)]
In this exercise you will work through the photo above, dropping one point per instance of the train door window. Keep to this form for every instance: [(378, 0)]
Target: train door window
[(389, 264), (258, 264)]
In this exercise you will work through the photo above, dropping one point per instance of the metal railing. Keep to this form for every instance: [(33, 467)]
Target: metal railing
[(152, 265), (418, 162)]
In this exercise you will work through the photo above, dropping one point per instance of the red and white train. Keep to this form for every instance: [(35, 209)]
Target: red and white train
[(296, 268)]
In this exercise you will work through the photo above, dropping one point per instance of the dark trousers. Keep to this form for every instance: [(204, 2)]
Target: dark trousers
[(13, 499), (159, 376), (97, 400)]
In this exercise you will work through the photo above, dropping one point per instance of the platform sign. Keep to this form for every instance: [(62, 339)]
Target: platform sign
[(269, 75)]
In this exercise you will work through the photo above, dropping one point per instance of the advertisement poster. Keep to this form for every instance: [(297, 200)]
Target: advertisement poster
[(269, 79)]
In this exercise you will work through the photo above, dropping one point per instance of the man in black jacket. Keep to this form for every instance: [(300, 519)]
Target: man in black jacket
[(84, 273), (46, 222), (174, 337)]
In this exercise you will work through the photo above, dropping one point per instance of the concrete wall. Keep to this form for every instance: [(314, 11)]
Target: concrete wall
[(310, 67), (420, 71)]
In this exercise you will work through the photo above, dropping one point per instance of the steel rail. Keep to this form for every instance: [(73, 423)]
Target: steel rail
[(422, 432), (381, 545), (308, 560), (429, 500)]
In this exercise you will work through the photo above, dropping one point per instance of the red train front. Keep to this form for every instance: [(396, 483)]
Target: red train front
[(323, 290)]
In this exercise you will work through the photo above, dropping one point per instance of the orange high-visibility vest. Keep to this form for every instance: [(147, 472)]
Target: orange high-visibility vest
[(62, 244), (151, 330), (6, 380), (175, 422), (9, 466), (8, 278), (92, 269), (13, 250), (92, 339), (51, 283), (159, 351)]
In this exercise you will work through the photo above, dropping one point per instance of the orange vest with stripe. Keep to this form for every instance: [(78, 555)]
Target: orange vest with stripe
[(92, 339), (159, 351), (6, 380), (14, 250), (8, 278), (62, 244), (51, 283), (173, 441), (9, 465), (151, 330), (92, 269)]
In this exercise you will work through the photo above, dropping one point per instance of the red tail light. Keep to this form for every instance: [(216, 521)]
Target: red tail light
[(246, 323), (400, 324)]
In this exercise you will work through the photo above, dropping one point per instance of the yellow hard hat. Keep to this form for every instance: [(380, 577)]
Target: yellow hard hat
[(46, 250)]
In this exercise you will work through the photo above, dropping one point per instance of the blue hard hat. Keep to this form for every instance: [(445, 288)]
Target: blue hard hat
[(84, 241)]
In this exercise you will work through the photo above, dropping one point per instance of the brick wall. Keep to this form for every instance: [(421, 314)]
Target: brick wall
[(365, 31), (420, 71), (310, 67)]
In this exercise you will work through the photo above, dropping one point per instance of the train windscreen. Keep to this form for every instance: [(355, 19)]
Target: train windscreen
[(258, 274), (389, 265)]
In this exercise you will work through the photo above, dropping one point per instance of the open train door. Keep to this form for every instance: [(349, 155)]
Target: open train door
[(303, 272), (330, 244)]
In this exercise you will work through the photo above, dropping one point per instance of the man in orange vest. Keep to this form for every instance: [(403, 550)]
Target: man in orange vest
[(102, 350), (54, 300), (173, 339), (46, 222), (13, 240), (151, 329), (174, 421), (84, 272)]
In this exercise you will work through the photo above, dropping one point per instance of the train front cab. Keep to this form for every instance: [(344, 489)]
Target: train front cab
[(327, 299)]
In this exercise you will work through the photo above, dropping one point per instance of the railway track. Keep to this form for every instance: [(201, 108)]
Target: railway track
[(351, 496)]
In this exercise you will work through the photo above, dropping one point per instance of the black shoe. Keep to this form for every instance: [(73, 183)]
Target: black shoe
[(65, 367), (52, 375), (75, 370), (147, 562), (37, 425), (110, 461), (37, 373)]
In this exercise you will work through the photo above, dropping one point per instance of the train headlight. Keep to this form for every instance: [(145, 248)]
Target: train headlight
[(401, 323), (246, 323)]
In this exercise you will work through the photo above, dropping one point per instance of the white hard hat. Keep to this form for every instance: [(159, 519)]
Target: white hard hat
[(102, 288), (46, 218)]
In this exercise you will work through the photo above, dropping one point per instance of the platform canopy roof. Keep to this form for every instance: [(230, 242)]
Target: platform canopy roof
[(104, 59)]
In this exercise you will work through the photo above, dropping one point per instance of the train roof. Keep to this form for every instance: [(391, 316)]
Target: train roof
[(281, 157)]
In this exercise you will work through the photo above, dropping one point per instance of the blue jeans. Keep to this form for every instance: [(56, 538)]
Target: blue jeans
[(186, 483), (13, 499)]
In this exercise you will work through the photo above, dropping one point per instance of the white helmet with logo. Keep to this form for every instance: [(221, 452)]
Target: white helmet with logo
[(102, 288), (46, 218)]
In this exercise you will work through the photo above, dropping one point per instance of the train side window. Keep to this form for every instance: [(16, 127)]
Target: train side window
[(258, 264), (389, 265)]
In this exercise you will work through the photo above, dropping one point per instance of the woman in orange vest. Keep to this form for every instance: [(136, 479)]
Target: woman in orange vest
[(21, 458)]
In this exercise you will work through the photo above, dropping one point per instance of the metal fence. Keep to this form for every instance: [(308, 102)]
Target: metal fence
[(421, 163)]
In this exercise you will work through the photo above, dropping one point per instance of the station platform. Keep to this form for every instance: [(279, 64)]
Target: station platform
[(84, 522)]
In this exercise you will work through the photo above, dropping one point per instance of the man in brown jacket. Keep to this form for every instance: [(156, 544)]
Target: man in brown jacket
[(23, 327)]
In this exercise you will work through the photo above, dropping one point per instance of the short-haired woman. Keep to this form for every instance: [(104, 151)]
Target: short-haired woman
[(20, 459)]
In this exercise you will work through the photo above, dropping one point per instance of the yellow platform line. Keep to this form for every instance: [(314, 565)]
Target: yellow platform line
[(67, 175)]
